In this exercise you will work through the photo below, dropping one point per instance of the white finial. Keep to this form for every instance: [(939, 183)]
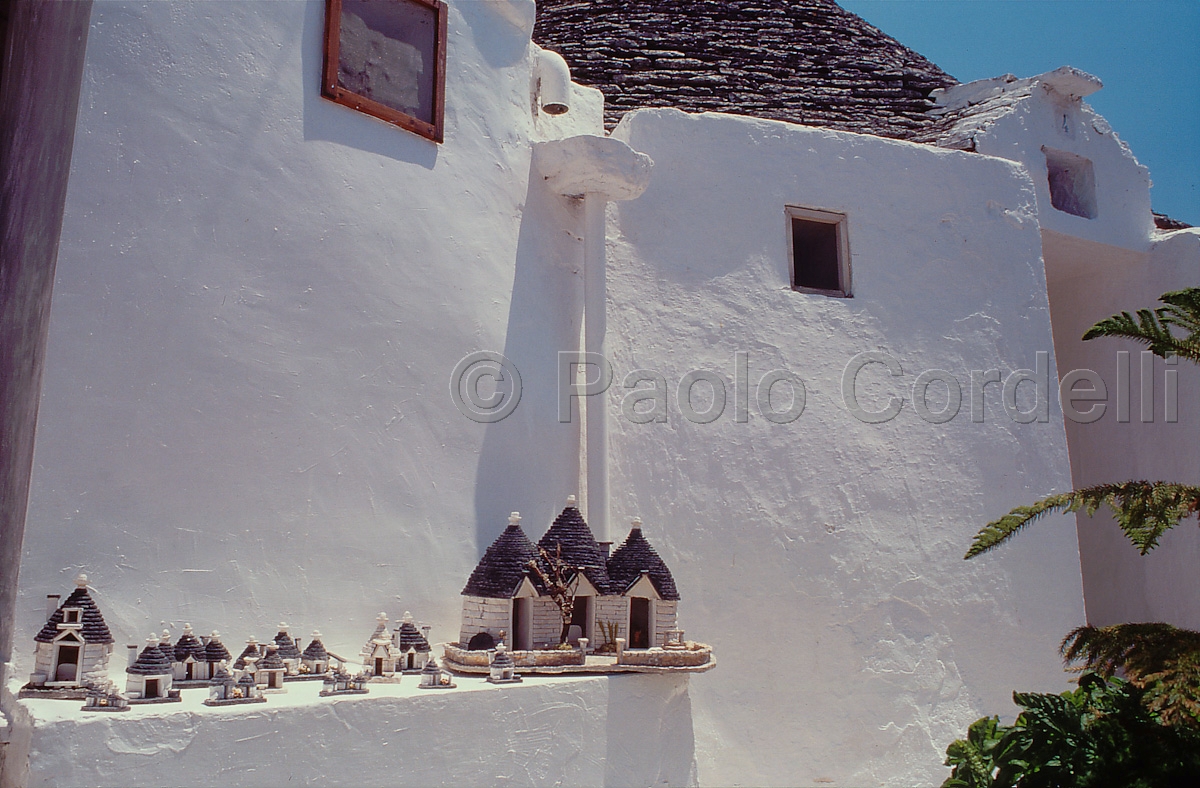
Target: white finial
[(570, 501), (514, 518), (81, 580), (407, 617), (215, 634), (316, 635), (283, 627), (187, 629), (253, 641), (636, 522), (166, 636), (382, 617), (152, 641)]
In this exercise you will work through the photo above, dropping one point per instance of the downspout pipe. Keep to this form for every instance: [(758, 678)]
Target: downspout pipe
[(596, 170)]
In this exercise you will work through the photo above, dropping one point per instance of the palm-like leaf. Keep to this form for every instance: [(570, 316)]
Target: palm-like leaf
[(1144, 510), (1159, 658), (1152, 327)]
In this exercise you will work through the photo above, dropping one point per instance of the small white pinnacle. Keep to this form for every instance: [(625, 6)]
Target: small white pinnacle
[(636, 522), (570, 500), (514, 518), (81, 580)]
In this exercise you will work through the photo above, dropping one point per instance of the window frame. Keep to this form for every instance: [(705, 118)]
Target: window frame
[(822, 216), (340, 95)]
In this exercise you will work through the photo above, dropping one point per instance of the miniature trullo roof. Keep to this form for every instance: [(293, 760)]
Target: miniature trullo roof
[(288, 648), (410, 636), (636, 556), (164, 645), (189, 645), (579, 548), (499, 572), (92, 627), (272, 660), (220, 676), (215, 650), (152, 661), (316, 649), (251, 650), (804, 61)]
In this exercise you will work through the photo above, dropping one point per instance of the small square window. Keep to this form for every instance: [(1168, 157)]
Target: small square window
[(71, 616), (1072, 183), (387, 58), (819, 251)]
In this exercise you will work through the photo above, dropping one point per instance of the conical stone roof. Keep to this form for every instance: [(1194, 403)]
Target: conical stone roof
[(189, 645), (409, 637), (636, 556), (499, 572), (316, 650), (92, 627), (579, 548), (215, 650), (151, 662), (804, 61)]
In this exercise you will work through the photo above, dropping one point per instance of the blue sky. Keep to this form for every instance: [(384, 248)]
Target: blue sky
[(1147, 53)]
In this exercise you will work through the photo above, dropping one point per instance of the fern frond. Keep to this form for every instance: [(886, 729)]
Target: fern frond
[(1158, 658), (1144, 511), (1152, 327)]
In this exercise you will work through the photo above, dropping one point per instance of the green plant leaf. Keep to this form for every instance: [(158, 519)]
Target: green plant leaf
[(1144, 511)]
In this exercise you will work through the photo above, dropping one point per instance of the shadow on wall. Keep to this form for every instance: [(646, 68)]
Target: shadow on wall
[(324, 120), (645, 749), (529, 462)]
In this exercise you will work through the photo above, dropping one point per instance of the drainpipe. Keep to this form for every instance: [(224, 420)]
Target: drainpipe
[(596, 170)]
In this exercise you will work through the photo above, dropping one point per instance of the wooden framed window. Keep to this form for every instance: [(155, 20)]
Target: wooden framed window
[(819, 251), (387, 58)]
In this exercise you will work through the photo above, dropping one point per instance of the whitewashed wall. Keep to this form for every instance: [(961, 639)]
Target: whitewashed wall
[(823, 558), (261, 296)]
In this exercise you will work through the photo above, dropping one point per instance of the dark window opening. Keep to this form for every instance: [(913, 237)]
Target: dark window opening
[(70, 616), (819, 257), (1072, 183)]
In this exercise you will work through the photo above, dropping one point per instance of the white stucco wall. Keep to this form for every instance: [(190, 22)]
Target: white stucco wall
[(826, 554), (1088, 282), (1122, 185), (261, 296)]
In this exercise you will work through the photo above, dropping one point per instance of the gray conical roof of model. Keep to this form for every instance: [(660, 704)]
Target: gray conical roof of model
[(579, 548), (189, 645), (287, 647), (316, 651), (272, 661), (634, 557), (215, 651), (151, 662), (411, 638), (804, 61), (499, 572), (502, 659), (92, 627), (251, 650)]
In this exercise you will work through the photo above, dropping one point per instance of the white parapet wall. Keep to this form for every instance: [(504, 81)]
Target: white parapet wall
[(825, 554), (611, 731)]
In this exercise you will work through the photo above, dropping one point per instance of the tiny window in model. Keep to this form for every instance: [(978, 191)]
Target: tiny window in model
[(819, 251), (387, 58)]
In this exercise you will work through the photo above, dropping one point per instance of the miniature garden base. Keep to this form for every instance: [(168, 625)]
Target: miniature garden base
[(233, 701), (333, 693), (90, 709), (58, 693), (175, 697), (540, 662), (620, 730)]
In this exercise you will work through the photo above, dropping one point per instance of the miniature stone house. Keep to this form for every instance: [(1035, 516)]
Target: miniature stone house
[(151, 675), (215, 652), (249, 653), (73, 647), (379, 656), (270, 669), (412, 645), (289, 650), (189, 657), (630, 592), (315, 658)]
